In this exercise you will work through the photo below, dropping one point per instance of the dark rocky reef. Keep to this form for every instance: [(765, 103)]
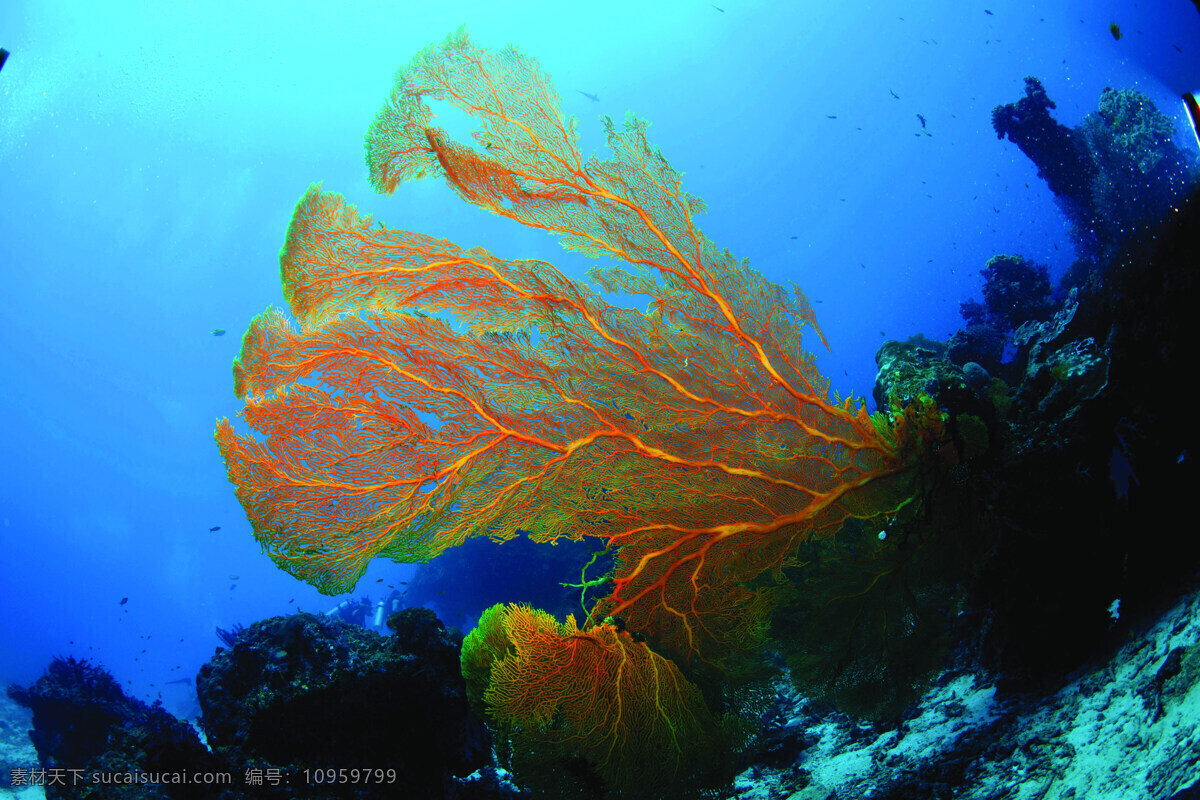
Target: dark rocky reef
[(300, 706), (1060, 153), (1022, 597), (303, 694), (1095, 377), (93, 740), (1116, 174), (1028, 596), (1141, 173), (1051, 502), (1121, 728), (1015, 291), (1076, 456)]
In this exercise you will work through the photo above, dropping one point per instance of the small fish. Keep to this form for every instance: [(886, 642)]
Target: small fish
[(214, 528), (232, 586), (234, 577), (124, 600), (989, 13), (292, 600), (893, 94), (718, 8), (179, 680), (921, 117), (218, 331), (1115, 30), (1176, 47), (3, 57), (379, 580), (591, 97), (831, 116)]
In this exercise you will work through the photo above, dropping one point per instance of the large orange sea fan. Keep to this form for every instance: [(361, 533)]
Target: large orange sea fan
[(698, 438)]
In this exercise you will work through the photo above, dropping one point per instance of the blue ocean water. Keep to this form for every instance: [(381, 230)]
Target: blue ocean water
[(151, 155)]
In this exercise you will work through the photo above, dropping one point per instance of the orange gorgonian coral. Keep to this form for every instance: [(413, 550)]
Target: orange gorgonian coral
[(697, 438), (563, 693)]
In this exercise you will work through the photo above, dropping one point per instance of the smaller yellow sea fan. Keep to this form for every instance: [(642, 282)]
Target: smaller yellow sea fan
[(560, 694)]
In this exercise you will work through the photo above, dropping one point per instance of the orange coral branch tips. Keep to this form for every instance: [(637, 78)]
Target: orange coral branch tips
[(426, 394)]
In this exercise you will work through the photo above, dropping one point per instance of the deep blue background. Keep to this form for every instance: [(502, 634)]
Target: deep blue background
[(151, 154)]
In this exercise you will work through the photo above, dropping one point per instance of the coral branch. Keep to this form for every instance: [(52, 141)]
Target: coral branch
[(698, 437), (597, 695)]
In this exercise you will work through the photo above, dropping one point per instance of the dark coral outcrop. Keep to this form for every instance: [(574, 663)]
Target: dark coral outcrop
[(1118, 173), (1015, 291), (302, 706), (304, 694), (94, 742), (1141, 174), (1077, 457), (1059, 152)]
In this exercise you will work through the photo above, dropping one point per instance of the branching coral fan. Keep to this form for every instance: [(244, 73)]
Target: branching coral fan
[(697, 439), (598, 695)]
